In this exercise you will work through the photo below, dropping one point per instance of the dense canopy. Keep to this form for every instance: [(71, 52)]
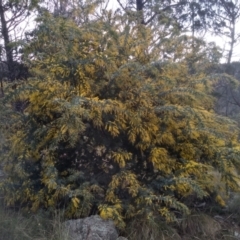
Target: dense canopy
[(106, 127)]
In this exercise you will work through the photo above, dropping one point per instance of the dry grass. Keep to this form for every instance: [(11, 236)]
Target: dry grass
[(204, 227), (143, 229), (16, 226), (200, 226)]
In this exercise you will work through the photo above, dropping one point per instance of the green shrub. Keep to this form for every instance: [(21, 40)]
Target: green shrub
[(108, 129)]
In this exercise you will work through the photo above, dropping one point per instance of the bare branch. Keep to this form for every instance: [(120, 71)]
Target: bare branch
[(122, 6)]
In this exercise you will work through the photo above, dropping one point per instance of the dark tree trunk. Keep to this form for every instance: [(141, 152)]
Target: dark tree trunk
[(5, 34), (231, 44), (140, 6)]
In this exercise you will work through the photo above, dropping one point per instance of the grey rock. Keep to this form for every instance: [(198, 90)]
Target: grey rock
[(91, 228), (122, 238), (2, 175)]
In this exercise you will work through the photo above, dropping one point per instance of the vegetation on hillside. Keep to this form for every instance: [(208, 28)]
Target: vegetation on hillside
[(106, 128), (118, 119)]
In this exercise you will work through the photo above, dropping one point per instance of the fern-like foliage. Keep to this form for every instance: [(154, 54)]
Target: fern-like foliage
[(109, 129)]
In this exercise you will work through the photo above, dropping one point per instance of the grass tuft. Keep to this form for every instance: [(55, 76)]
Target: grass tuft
[(201, 226), (17, 226), (150, 229)]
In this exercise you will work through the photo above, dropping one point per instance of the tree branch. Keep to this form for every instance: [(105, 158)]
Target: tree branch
[(122, 6)]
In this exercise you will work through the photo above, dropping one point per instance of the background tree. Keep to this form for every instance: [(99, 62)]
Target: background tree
[(147, 12), (14, 19), (227, 16)]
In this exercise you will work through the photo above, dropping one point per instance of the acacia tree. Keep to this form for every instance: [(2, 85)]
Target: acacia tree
[(110, 129)]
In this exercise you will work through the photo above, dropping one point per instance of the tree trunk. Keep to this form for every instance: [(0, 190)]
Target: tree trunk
[(5, 34), (140, 6), (231, 43)]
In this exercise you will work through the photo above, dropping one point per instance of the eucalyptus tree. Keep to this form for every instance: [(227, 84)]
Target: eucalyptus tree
[(14, 17), (227, 18)]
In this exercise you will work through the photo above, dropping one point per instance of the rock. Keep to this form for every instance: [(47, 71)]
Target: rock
[(1, 173), (91, 228), (122, 238)]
